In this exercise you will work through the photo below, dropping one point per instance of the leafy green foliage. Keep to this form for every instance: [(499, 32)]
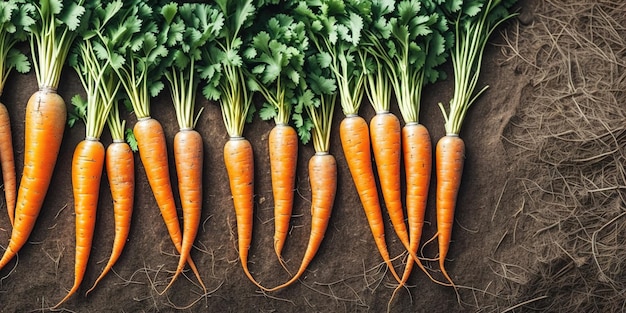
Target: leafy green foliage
[(78, 111), (16, 16), (276, 55)]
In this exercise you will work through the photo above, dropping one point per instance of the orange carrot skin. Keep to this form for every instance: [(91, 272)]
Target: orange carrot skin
[(386, 144), (450, 157), (188, 157), (152, 151), (283, 149), (355, 140), (87, 166), (7, 160), (45, 122), (239, 160), (323, 178), (120, 167)]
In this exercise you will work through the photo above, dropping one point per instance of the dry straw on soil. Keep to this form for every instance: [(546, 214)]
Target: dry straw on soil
[(568, 140)]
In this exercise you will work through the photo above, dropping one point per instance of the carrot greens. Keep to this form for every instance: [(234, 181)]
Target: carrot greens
[(15, 17)]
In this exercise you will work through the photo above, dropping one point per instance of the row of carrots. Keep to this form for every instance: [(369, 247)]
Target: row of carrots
[(301, 57)]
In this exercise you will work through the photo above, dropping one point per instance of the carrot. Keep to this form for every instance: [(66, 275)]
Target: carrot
[(239, 161), (356, 146), (450, 156), (7, 161), (120, 167), (188, 157), (87, 166), (283, 149), (323, 178), (152, 151), (45, 123)]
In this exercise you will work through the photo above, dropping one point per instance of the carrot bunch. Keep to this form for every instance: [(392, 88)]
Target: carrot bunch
[(15, 17), (226, 83), (316, 105), (101, 85), (196, 24), (473, 24), (336, 30), (276, 57), (51, 35)]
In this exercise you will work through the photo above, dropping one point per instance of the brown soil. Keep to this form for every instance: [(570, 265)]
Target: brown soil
[(517, 237)]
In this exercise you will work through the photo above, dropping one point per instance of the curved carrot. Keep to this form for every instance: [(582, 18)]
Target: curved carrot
[(283, 149), (188, 157), (120, 167), (87, 165), (323, 178), (450, 157), (152, 151), (7, 160), (355, 141), (44, 126), (239, 161)]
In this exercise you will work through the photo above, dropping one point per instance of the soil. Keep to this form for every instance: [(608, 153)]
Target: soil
[(347, 275)]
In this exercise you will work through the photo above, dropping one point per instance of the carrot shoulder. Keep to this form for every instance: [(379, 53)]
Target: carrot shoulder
[(283, 149), (7, 160), (355, 141), (45, 123), (87, 165), (450, 157)]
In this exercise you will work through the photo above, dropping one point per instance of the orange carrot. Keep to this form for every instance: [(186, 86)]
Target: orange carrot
[(283, 149), (323, 178), (120, 167), (386, 144), (87, 165), (188, 157), (152, 151), (355, 141), (45, 123), (239, 160), (7, 160), (450, 156)]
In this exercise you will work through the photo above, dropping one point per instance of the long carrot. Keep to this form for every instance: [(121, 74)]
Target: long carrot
[(120, 167), (87, 166), (283, 149), (43, 136), (44, 120), (355, 141), (7, 160)]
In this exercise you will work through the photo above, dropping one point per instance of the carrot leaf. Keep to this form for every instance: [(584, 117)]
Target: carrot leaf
[(15, 17)]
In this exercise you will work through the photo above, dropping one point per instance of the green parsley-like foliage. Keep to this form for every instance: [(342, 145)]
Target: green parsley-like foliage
[(474, 21), (276, 57), (97, 77), (335, 28), (52, 36), (15, 17), (224, 71), (188, 28)]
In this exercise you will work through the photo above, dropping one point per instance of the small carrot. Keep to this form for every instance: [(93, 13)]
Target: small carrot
[(87, 166), (120, 167), (7, 161), (283, 149), (450, 156), (355, 141)]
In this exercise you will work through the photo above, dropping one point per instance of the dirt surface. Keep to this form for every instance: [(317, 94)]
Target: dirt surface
[(347, 274)]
